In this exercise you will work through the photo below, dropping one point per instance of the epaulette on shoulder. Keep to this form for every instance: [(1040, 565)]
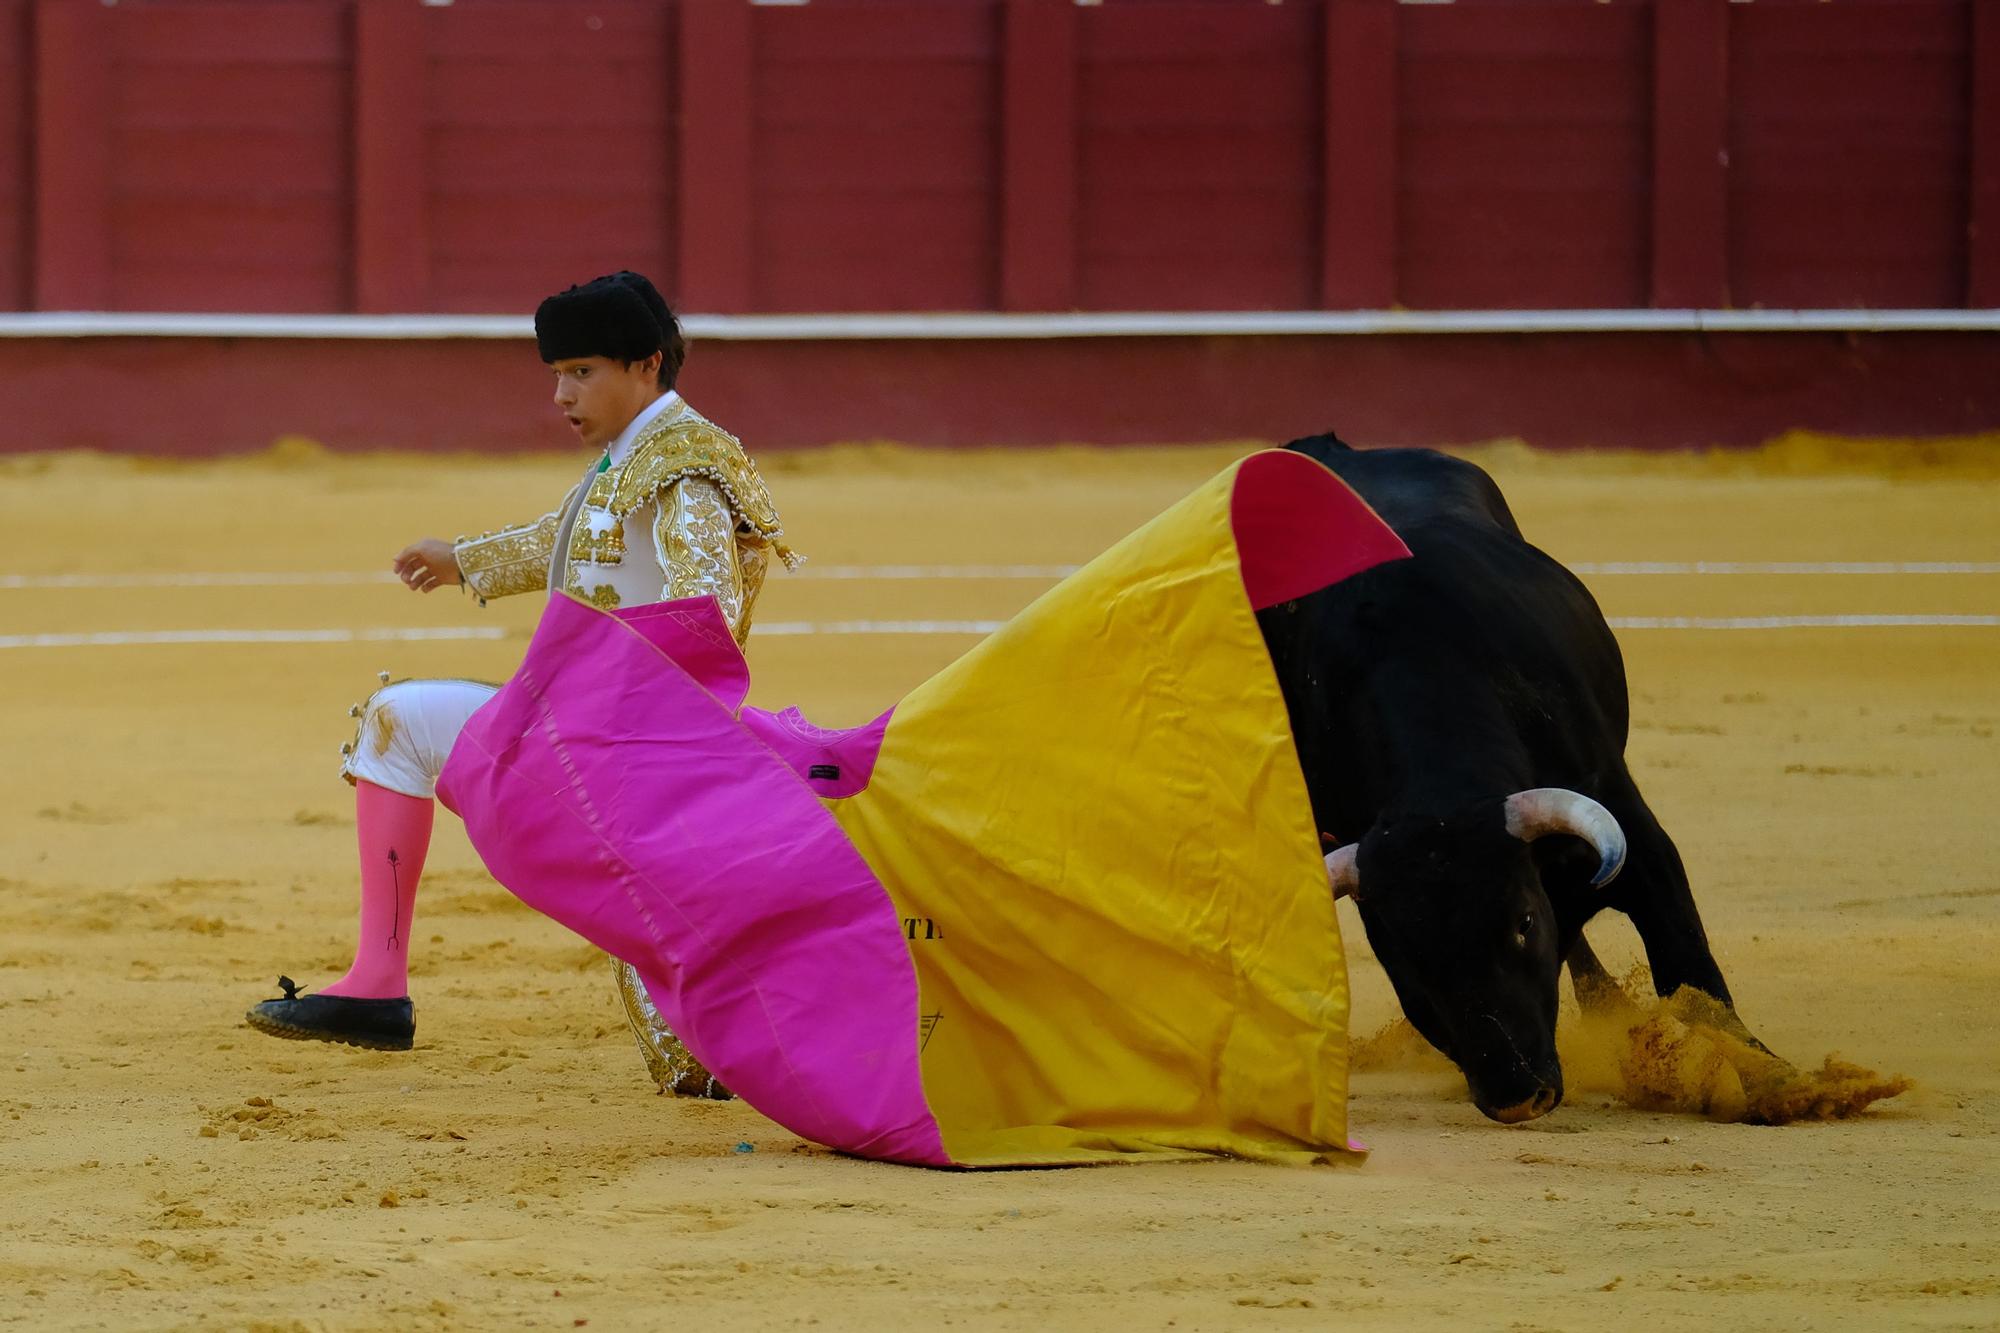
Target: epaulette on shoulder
[(687, 444)]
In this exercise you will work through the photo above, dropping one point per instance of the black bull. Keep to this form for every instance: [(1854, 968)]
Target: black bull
[(1424, 694)]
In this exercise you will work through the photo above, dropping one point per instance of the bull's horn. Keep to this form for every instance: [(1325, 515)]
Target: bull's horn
[(1530, 814), (1342, 871)]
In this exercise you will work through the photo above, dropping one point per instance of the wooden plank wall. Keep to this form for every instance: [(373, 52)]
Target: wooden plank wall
[(16, 206), (1198, 141), (1849, 153), (1524, 138), (392, 155)]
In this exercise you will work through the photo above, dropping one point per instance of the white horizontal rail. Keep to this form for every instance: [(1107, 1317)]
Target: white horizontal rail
[(153, 638), (963, 628), (1804, 622), (1783, 568), (974, 326)]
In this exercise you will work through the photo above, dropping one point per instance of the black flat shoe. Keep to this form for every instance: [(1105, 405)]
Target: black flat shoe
[(378, 1025)]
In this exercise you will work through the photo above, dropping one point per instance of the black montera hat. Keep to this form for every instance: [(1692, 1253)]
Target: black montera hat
[(650, 294), (673, 347), (609, 316)]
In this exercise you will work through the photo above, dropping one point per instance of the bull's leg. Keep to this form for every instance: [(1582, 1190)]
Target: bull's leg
[(1653, 891), (1597, 991)]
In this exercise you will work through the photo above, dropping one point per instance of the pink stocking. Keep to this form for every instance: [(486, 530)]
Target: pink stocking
[(394, 832)]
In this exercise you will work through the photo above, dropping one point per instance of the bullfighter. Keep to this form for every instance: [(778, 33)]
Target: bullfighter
[(670, 507)]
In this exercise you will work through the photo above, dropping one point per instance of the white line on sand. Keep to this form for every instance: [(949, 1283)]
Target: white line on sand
[(1801, 622), (969, 628), (155, 637), (335, 577), (224, 580), (811, 571), (1786, 567), (782, 627), (283, 579), (1616, 622)]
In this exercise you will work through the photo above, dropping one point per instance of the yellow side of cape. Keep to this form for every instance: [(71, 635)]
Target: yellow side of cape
[(1096, 831)]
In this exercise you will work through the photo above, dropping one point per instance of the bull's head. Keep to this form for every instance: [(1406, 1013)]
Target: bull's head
[(1457, 915)]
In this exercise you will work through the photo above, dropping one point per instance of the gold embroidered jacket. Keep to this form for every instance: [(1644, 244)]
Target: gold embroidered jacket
[(684, 514)]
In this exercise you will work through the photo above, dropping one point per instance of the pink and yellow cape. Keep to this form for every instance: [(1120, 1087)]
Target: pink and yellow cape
[(1064, 903)]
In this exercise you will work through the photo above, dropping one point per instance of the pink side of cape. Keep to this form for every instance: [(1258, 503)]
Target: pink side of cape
[(612, 786)]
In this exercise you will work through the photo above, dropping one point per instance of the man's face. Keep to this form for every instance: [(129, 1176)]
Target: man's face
[(601, 396)]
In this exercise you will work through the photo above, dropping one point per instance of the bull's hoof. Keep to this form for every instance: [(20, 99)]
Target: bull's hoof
[(1700, 1009), (1599, 994), (1544, 1101)]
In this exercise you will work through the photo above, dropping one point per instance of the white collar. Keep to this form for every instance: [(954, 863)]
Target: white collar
[(623, 444)]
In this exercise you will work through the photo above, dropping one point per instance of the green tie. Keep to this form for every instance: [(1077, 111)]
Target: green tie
[(604, 463)]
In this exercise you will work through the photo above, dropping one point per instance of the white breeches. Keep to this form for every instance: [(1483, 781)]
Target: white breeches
[(407, 731)]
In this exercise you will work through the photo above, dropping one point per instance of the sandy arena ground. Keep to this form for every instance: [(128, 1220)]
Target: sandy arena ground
[(173, 835)]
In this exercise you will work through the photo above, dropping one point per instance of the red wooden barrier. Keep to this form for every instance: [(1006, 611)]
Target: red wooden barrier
[(392, 237), (1848, 152), (1524, 143), (1198, 133), (1038, 171), (15, 217), (1358, 243), (717, 91), (72, 157), (1983, 224), (197, 397), (1691, 154), (873, 165), (551, 146), (225, 177), (384, 155)]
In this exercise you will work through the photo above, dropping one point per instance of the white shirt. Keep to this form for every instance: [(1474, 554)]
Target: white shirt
[(620, 447)]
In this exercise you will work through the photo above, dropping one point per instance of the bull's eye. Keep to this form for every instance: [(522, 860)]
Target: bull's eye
[(1524, 929)]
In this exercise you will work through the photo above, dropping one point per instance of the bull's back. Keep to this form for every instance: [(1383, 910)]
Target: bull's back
[(1476, 604), (1411, 486), (1473, 566)]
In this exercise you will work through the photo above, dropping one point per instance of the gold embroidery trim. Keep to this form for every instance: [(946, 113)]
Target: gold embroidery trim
[(671, 1064), (753, 559), (695, 533), (598, 548), (511, 560), (604, 597)]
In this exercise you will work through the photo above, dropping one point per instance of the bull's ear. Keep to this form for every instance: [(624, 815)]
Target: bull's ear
[(1343, 871)]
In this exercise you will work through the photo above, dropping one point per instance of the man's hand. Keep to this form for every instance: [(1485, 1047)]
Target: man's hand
[(428, 564)]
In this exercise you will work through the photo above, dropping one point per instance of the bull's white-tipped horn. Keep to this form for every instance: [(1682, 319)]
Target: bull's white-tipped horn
[(1342, 870), (1530, 814)]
